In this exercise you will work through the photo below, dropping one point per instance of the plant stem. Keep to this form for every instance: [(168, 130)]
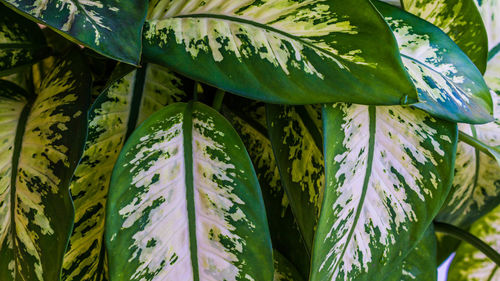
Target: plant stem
[(474, 142), (469, 238), (219, 96)]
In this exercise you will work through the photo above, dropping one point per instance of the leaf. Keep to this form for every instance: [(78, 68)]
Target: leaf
[(127, 101), (38, 154), (21, 42), (459, 19), (449, 85), (388, 171), (280, 51), (469, 263), (249, 120), (420, 264), (488, 10), (112, 28), (284, 270), (296, 136), (185, 204)]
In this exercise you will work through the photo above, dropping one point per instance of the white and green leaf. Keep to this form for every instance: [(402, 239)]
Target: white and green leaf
[(281, 51), (112, 27), (489, 10), (185, 203), (388, 171), (449, 85), (42, 140), (132, 97)]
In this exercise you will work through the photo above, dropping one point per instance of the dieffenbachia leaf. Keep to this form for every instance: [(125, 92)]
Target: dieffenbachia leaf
[(21, 41), (459, 19), (470, 264), (112, 28), (449, 85), (296, 136), (420, 263), (284, 270), (249, 120), (281, 51), (388, 171), (42, 140), (489, 10), (185, 203), (115, 114)]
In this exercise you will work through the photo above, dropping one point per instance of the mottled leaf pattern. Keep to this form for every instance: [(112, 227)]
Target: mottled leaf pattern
[(185, 203), (296, 136), (459, 19), (111, 27), (388, 170), (284, 270), (469, 264), (118, 110), (449, 85), (21, 41), (489, 10), (42, 142), (281, 51)]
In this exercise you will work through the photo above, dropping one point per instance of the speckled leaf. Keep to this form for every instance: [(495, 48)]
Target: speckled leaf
[(185, 203), (249, 120), (388, 171), (420, 264), (489, 10), (284, 269), (281, 51), (21, 41), (127, 101), (459, 19), (42, 140), (470, 264), (111, 27), (449, 85), (296, 136)]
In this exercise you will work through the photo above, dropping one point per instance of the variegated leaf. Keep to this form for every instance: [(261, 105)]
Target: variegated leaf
[(127, 102), (470, 264), (249, 120), (21, 41), (449, 85), (459, 19), (111, 27), (281, 51), (388, 171), (489, 10), (185, 203), (284, 269), (296, 136), (42, 140), (420, 264)]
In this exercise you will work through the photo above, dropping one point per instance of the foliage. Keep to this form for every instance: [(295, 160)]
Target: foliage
[(264, 140)]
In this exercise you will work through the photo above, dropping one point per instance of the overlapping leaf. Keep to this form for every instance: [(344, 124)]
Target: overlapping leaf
[(21, 41), (489, 10), (388, 170), (284, 270), (42, 140), (185, 203), (127, 102), (449, 85), (112, 28), (296, 136), (281, 51)]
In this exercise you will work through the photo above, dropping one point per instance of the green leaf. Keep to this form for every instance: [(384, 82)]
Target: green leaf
[(420, 264), (459, 19), (112, 28), (469, 263), (489, 11), (449, 85), (284, 270), (129, 99), (249, 120), (21, 42), (185, 202), (280, 51), (296, 136), (42, 140), (388, 171)]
